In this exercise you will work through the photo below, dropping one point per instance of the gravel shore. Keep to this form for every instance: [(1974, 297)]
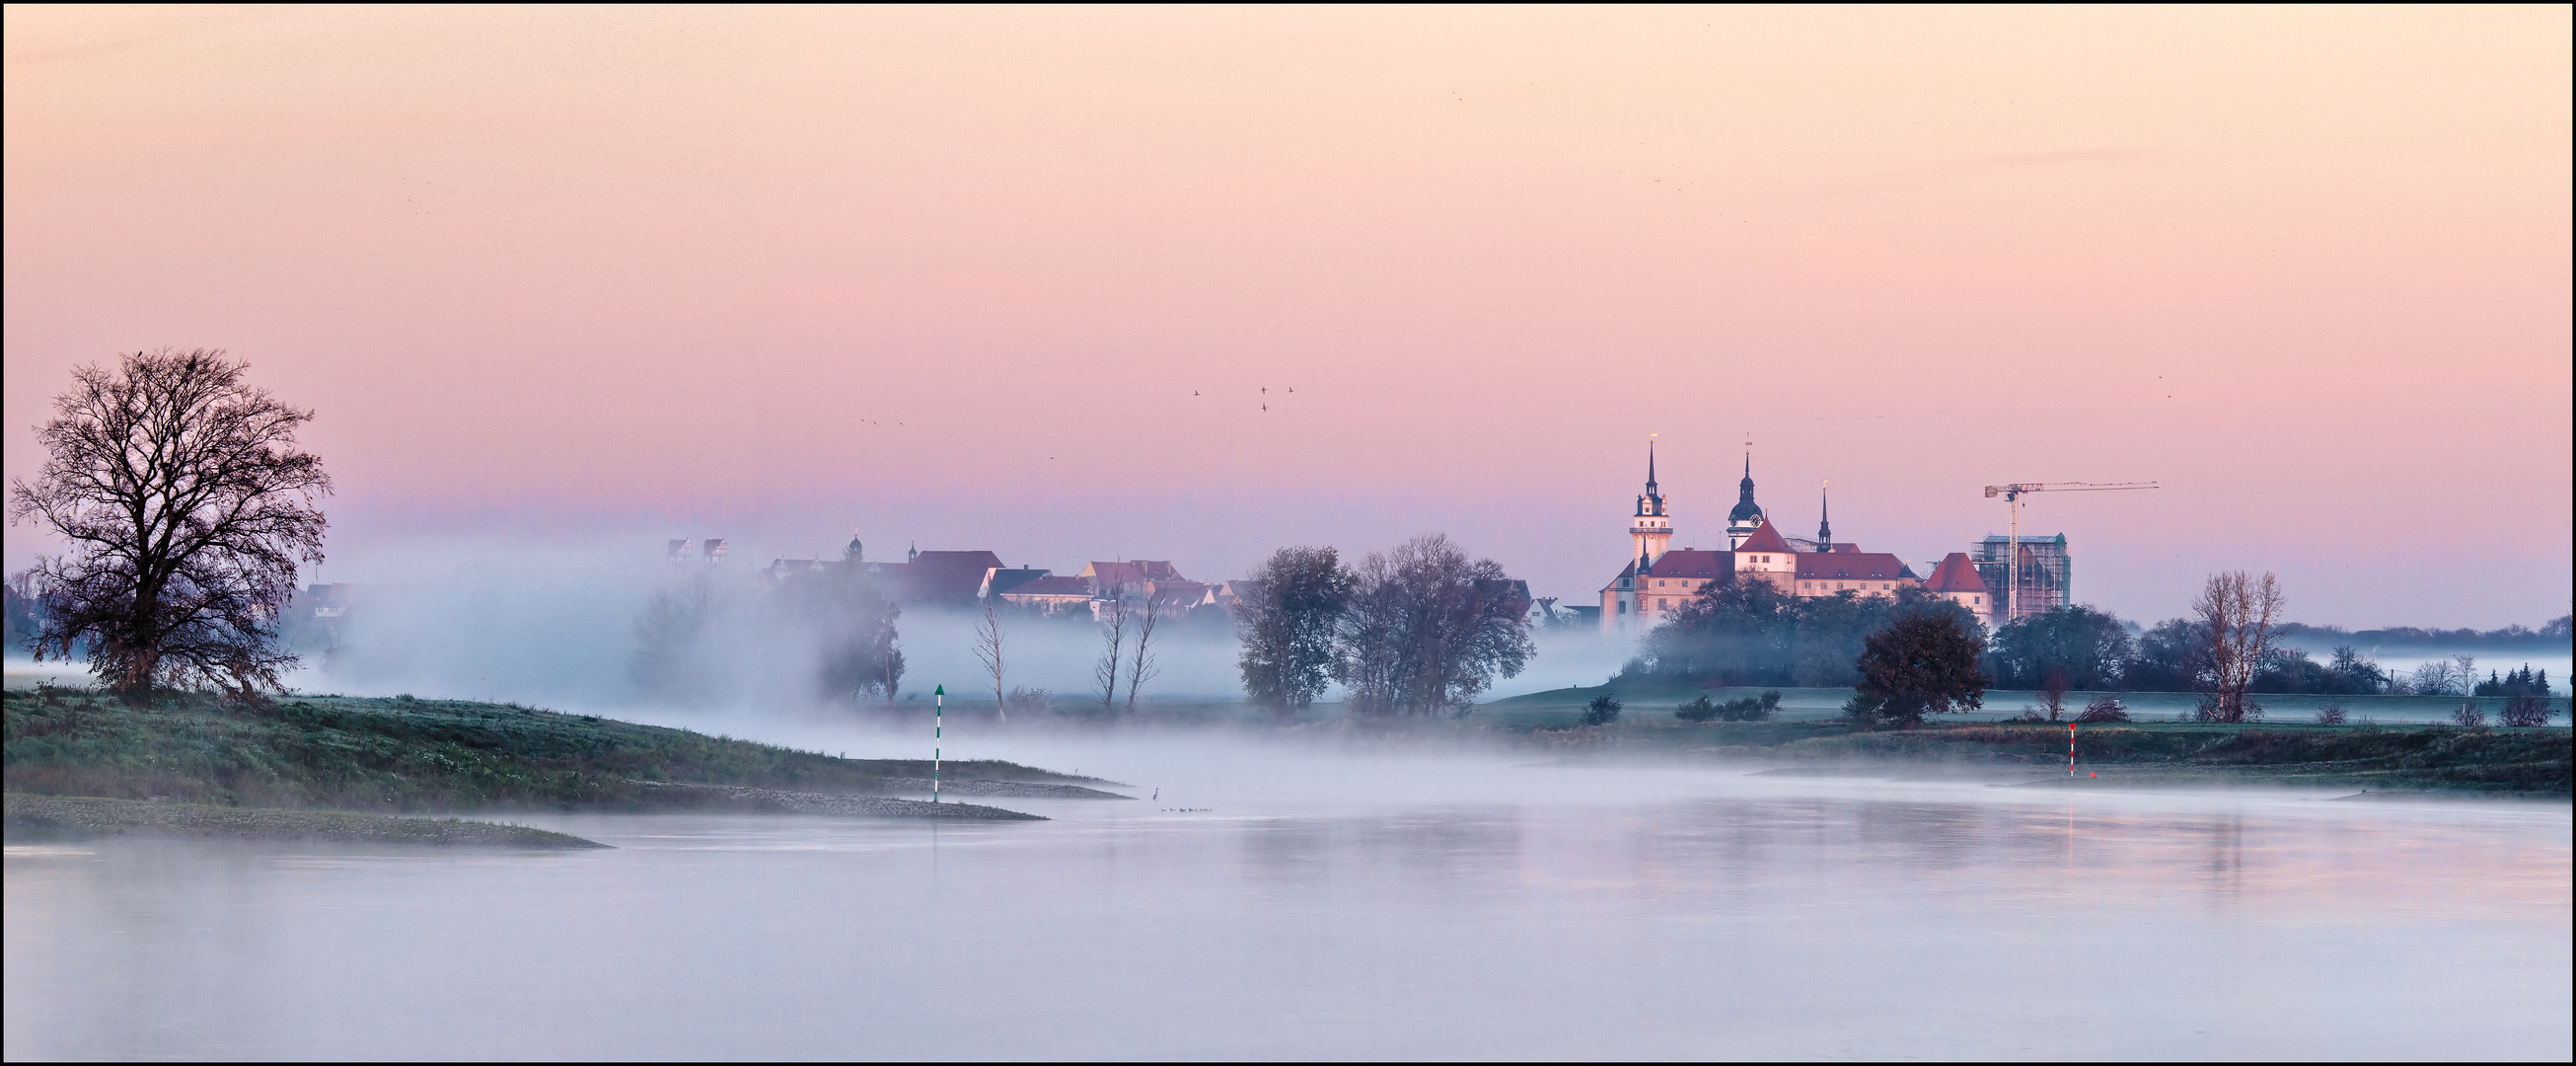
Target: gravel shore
[(1025, 789), (876, 806)]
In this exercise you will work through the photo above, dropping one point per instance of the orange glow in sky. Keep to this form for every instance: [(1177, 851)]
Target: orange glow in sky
[(1014, 278)]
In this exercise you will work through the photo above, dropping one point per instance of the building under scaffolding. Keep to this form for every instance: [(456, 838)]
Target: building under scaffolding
[(2046, 572)]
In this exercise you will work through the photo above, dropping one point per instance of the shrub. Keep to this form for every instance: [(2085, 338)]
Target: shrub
[(2523, 709), (2330, 714), (1863, 710), (2104, 708), (1739, 709), (404, 698), (1603, 710), (1756, 710), (1030, 701), (2469, 716)]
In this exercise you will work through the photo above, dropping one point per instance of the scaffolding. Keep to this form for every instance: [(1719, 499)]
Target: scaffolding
[(2046, 575)]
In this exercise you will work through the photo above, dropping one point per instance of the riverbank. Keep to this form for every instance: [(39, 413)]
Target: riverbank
[(78, 817), (2535, 763), (435, 756)]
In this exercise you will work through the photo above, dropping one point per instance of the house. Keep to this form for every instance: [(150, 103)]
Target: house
[(1127, 577), (1050, 594), (1958, 581), (1867, 573), (1000, 580), (947, 577), (1232, 595), (1670, 581)]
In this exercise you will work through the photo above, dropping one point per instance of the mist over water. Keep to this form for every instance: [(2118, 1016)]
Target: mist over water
[(1309, 892), (1287, 900), (557, 625)]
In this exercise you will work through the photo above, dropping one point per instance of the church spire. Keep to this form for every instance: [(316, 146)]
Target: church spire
[(1824, 517), (1652, 503), (1653, 526), (1747, 515)]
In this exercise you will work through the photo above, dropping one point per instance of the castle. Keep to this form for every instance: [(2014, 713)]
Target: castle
[(1658, 578)]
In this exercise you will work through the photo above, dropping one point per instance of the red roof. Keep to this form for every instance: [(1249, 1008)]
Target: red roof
[(1131, 572), (1957, 574), (1693, 563), (1765, 539), (946, 575), (1050, 586), (1852, 566)]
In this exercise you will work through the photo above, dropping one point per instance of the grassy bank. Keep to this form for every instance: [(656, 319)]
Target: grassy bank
[(73, 818), (2527, 762), (398, 755), (1653, 698)]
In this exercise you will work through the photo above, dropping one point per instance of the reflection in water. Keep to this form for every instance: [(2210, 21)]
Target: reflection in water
[(1692, 915)]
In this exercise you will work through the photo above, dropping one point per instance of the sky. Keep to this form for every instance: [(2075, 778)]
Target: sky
[(1017, 278)]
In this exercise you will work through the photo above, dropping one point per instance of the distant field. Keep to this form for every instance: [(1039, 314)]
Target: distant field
[(1650, 702)]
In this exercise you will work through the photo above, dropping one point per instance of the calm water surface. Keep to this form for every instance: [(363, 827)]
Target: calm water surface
[(1465, 909)]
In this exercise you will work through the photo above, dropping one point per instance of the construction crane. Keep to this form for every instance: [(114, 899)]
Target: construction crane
[(2012, 505)]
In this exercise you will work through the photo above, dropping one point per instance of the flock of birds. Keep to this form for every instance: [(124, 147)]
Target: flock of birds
[(1265, 407), (1265, 395)]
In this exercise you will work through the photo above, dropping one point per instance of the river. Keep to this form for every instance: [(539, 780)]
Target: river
[(1333, 905)]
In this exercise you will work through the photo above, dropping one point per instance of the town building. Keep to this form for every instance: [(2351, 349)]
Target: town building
[(1050, 594), (937, 577), (1958, 581), (1747, 515), (1868, 573), (1658, 580)]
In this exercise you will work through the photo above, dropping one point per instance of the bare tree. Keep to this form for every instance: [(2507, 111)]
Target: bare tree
[(2438, 677), (188, 507), (2052, 694), (2240, 618), (1428, 629), (988, 650), (1113, 636), (1142, 669)]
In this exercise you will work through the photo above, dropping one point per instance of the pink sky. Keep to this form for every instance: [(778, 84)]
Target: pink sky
[(683, 272)]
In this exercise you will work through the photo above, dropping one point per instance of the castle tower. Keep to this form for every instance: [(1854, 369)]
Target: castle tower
[(1747, 515), (1651, 529)]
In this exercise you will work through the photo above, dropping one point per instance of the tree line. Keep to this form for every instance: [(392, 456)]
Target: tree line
[(1746, 631), (2090, 649), (1914, 653), (830, 632), (1419, 630)]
